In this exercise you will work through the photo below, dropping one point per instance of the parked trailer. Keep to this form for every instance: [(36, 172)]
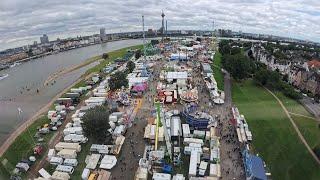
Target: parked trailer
[(70, 162), (186, 130), (85, 174), (76, 90), (64, 101), (57, 175), (67, 153), (187, 141), (72, 95), (51, 153), (22, 167), (75, 138), (44, 173), (73, 130), (67, 169), (56, 161), (63, 145)]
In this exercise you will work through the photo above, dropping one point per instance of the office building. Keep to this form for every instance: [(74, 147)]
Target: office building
[(44, 39)]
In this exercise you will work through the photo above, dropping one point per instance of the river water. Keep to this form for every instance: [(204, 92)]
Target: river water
[(19, 89)]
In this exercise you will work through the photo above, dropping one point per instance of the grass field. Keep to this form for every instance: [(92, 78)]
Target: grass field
[(217, 70), (273, 136), (307, 126)]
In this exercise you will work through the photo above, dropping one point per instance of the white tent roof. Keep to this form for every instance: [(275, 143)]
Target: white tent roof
[(108, 162), (177, 75)]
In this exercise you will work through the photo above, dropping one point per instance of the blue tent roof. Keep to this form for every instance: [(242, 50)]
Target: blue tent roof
[(257, 168)]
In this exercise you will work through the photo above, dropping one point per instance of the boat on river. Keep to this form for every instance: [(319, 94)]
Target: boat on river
[(3, 76)]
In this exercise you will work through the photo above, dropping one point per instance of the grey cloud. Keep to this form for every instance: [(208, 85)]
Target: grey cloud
[(22, 21)]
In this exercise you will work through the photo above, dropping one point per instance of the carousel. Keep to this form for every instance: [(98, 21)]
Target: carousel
[(189, 95)]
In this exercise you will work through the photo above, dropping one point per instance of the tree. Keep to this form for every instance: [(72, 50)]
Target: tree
[(96, 124), (105, 55), (118, 80), (138, 54), (261, 76), (130, 66), (238, 65)]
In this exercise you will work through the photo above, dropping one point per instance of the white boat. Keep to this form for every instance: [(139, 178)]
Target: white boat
[(3, 76), (15, 64)]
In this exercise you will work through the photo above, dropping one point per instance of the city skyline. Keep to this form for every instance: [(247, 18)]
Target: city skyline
[(22, 22)]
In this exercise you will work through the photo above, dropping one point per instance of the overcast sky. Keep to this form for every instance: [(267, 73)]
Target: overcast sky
[(24, 21)]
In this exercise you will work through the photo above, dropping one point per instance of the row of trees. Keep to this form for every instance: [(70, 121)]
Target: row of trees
[(273, 80), (233, 60)]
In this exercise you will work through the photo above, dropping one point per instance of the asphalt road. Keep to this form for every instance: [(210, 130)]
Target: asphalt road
[(311, 106)]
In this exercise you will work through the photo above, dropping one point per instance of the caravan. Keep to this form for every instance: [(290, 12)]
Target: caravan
[(70, 162), (56, 161), (67, 169)]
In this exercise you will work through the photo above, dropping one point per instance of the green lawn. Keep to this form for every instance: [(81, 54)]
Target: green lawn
[(22, 147), (217, 70), (292, 105), (273, 135)]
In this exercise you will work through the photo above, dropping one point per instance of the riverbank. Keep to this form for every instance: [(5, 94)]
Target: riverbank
[(17, 135)]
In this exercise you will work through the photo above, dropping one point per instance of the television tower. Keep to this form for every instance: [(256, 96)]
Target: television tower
[(162, 28), (144, 38)]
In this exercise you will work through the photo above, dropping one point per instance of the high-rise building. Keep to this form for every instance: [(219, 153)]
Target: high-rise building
[(103, 34), (44, 39)]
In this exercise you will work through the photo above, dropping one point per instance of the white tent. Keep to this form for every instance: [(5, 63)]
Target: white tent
[(108, 162)]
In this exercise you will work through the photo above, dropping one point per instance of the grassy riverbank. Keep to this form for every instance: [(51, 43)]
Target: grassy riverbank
[(274, 138), (22, 146)]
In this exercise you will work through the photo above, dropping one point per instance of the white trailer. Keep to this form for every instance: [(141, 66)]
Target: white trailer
[(70, 162), (76, 90), (75, 138), (202, 168), (152, 135), (23, 167), (67, 153), (199, 134), (193, 164), (161, 176), (187, 141), (51, 153), (85, 174), (64, 145), (56, 161), (67, 169), (44, 173), (186, 130), (73, 130), (100, 148)]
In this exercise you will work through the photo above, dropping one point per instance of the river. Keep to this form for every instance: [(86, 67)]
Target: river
[(19, 89)]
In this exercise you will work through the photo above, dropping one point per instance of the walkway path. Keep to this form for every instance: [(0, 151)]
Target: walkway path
[(303, 116), (295, 127)]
